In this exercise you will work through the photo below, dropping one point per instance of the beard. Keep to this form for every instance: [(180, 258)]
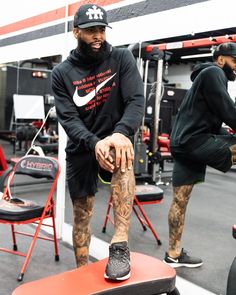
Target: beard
[(89, 53), (230, 74)]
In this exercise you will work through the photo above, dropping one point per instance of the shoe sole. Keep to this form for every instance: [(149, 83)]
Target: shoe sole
[(175, 265), (118, 279)]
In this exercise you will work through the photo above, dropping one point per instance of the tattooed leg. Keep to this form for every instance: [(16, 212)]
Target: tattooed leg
[(122, 189), (83, 210), (233, 152), (176, 218)]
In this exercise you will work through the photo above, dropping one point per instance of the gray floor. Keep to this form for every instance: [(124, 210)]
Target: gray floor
[(210, 216)]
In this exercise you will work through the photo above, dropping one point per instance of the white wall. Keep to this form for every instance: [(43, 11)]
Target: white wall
[(199, 17), (180, 74)]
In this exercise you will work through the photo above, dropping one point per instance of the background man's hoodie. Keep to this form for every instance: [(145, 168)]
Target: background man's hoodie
[(205, 107)]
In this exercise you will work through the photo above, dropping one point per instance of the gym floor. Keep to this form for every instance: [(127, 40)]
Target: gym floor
[(208, 234)]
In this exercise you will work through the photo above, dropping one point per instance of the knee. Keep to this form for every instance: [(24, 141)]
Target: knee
[(123, 181), (233, 153), (83, 209), (233, 149), (182, 195), (127, 174)]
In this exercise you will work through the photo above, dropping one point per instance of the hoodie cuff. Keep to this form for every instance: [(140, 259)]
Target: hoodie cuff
[(93, 142), (121, 130)]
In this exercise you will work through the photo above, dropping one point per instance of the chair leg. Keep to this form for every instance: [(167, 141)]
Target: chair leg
[(30, 250), (55, 236), (147, 221), (107, 215), (13, 237), (140, 219)]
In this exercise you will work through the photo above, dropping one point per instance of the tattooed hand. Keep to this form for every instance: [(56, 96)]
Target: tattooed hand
[(124, 153)]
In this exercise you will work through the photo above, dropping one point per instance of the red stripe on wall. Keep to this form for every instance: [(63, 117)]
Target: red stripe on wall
[(34, 21), (50, 16)]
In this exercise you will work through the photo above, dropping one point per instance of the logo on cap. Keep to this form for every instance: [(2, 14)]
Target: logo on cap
[(90, 15), (94, 13)]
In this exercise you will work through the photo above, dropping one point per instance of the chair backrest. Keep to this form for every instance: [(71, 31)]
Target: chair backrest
[(37, 167)]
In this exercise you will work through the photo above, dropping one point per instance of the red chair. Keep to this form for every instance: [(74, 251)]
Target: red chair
[(163, 143), (3, 161), (162, 154), (145, 195), (5, 169), (15, 210)]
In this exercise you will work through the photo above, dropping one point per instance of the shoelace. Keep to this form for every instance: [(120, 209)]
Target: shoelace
[(120, 253)]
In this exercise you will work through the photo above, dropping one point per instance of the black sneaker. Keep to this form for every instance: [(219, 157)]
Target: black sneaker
[(118, 266), (183, 260)]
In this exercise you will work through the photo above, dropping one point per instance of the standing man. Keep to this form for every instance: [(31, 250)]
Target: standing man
[(99, 101), (198, 140)]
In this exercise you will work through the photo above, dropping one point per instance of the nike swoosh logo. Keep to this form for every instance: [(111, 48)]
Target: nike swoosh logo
[(173, 260), (83, 100)]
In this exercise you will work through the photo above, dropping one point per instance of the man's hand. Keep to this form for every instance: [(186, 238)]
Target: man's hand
[(123, 152), (103, 156)]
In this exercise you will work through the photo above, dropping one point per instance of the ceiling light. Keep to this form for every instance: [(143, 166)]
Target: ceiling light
[(196, 55)]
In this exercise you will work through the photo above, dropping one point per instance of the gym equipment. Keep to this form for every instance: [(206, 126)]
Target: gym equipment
[(149, 276), (147, 154)]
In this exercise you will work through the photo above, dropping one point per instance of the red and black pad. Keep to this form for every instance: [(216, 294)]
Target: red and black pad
[(148, 276), (149, 193), (38, 167), (17, 209)]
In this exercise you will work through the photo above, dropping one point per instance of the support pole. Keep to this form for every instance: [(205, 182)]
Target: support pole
[(157, 113), (61, 186), (145, 89)]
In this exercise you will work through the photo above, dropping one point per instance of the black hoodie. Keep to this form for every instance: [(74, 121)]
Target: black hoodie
[(205, 107), (94, 100)]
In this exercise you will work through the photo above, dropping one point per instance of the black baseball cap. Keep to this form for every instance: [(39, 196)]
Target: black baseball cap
[(228, 49), (90, 15)]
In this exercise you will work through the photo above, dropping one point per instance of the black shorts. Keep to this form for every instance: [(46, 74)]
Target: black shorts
[(190, 164), (82, 175)]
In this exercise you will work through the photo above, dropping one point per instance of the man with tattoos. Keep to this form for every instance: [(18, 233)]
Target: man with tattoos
[(198, 140), (99, 101)]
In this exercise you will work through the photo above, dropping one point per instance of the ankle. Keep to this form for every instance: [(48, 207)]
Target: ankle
[(82, 256), (118, 240), (173, 254)]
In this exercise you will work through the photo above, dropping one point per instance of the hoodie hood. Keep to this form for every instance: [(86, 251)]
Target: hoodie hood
[(198, 68), (77, 58)]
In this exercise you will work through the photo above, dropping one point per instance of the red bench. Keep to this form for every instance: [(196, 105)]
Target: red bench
[(148, 276)]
